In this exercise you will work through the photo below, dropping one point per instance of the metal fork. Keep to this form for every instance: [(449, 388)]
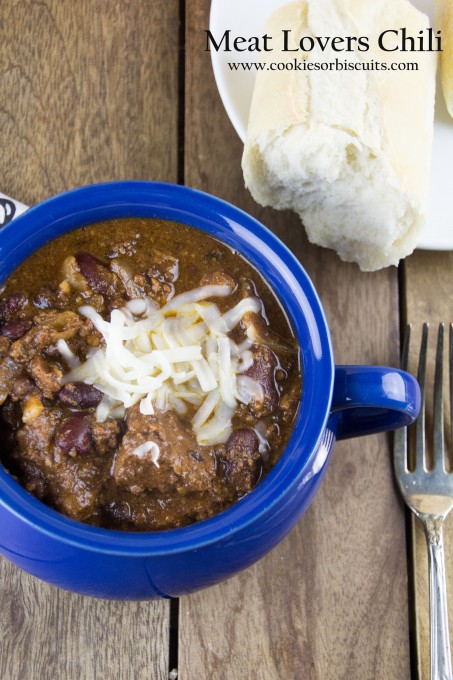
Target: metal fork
[(429, 493)]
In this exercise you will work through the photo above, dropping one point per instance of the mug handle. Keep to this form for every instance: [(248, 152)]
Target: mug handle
[(370, 399), (9, 209)]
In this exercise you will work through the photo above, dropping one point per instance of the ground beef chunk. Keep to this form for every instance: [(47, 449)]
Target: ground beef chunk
[(73, 277), (56, 326), (161, 274), (127, 247), (22, 387), (263, 371), (9, 371), (72, 483), (11, 415), (47, 376), (75, 487), (160, 291), (242, 460), (35, 481), (106, 436), (122, 268), (36, 439), (158, 513), (164, 267), (4, 346), (261, 334), (152, 274), (289, 402), (217, 278), (182, 464)]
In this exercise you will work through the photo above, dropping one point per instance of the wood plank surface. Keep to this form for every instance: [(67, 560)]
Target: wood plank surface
[(428, 297), (330, 602), (89, 92)]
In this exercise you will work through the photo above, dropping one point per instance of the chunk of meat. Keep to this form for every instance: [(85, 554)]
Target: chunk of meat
[(290, 401), (4, 346), (54, 326), (260, 333), (162, 274), (243, 462), (106, 436), (11, 415), (182, 464), (71, 484), (217, 278), (34, 480), (73, 276), (35, 438), (164, 266), (263, 371), (147, 273), (74, 487), (127, 247), (158, 512), (23, 387), (160, 291), (47, 376), (122, 268), (32, 408), (9, 371)]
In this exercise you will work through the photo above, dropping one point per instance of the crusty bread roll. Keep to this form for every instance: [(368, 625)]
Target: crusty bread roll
[(444, 21), (349, 151)]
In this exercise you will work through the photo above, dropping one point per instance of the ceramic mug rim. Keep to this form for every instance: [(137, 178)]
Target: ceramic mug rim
[(259, 245)]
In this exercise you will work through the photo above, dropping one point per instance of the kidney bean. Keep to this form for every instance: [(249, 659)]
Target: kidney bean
[(243, 443), (79, 395), (119, 512), (96, 273), (74, 434), (242, 459), (263, 371), (46, 298), (13, 330), (12, 304)]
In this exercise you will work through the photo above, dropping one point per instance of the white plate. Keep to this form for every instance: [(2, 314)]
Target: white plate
[(246, 18)]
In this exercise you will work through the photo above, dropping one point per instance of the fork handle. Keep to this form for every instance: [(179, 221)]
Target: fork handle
[(439, 632)]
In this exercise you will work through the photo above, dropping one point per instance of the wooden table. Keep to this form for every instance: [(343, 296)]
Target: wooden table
[(94, 90)]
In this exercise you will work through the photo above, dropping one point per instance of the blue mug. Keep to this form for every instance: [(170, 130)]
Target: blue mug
[(337, 402)]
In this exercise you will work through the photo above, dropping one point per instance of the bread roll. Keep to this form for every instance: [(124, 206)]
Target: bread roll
[(349, 151), (444, 21)]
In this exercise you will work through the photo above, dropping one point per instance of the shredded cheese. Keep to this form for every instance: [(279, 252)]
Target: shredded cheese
[(170, 357), (65, 351), (148, 447)]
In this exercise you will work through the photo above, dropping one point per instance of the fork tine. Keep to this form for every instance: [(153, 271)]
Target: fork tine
[(439, 444), (420, 426), (400, 461), (451, 382), (405, 351)]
